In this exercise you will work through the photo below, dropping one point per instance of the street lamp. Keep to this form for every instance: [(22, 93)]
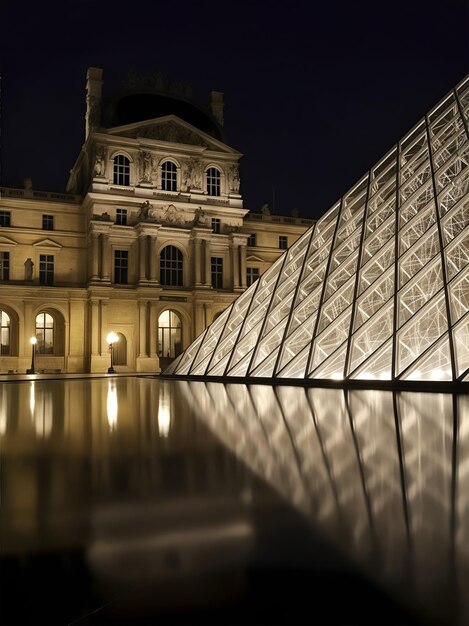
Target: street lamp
[(33, 342), (111, 338)]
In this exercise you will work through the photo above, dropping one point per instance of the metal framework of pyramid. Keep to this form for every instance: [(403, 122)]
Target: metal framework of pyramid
[(378, 288)]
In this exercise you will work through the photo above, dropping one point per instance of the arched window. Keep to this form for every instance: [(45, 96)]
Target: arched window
[(169, 176), (120, 350), (213, 181), (45, 333), (5, 324), (171, 266), (169, 335), (121, 170)]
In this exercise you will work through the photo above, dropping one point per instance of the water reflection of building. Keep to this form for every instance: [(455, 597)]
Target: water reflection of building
[(151, 239), (383, 475)]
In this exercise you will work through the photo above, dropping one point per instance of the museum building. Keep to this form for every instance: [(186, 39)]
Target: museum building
[(150, 239)]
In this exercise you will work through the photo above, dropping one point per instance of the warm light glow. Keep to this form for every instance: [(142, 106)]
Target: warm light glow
[(112, 337), (112, 406), (164, 414), (337, 376), (33, 341), (32, 398)]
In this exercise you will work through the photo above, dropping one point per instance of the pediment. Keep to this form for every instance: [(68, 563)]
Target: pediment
[(253, 257), (6, 241), (47, 243), (172, 129)]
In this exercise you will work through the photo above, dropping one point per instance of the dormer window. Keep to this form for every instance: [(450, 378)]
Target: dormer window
[(121, 170), (213, 181), (169, 176)]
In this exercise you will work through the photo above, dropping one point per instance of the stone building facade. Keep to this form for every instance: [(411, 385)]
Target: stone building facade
[(150, 240)]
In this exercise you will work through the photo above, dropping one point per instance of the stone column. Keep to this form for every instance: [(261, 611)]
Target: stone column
[(153, 258), (242, 252), (197, 262), (94, 327), (94, 256), (153, 327), (104, 345), (142, 306), (235, 265), (208, 264), (105, 252), (142, 245)]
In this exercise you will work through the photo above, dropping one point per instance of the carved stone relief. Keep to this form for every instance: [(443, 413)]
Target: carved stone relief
[(145, 166), (233, 178), (100, 161)]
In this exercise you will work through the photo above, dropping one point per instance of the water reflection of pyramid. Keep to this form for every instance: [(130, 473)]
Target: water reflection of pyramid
[(378, 288)]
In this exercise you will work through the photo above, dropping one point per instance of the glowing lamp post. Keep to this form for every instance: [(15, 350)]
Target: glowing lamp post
[(33, 342), (111, 338)]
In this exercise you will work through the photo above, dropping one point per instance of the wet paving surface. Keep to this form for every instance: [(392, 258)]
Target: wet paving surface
[(143, 501)]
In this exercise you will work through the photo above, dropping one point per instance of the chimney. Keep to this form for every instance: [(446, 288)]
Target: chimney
[(216, 105), (94, 85)]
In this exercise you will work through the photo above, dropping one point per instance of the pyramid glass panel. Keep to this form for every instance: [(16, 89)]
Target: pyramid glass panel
[(378, 288)]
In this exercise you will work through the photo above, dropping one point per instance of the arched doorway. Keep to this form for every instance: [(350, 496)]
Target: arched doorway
[(120, 350), (169, 337)]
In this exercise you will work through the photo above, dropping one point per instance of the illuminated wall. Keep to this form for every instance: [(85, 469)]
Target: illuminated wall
[(378, 288)]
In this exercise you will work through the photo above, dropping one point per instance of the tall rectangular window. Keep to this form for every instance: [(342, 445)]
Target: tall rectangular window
[(121, 264), (5, 218), (252, 274), (252, 240), (47, 222), (283, 242), (216, 225), (121, 217), (217, 272), (46, 269), (4, 266)]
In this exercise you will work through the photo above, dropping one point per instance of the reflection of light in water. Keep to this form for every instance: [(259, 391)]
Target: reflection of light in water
[(373, 471), (164, 412), (32, 398), (111, 404), (41, 410)]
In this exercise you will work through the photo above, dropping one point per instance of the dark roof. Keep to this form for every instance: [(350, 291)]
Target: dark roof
[(137, 107)]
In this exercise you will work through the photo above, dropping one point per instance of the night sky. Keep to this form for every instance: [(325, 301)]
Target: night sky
[(315, 92)]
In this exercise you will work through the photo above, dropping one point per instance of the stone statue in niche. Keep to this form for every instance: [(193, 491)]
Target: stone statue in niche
[(233, 178), (100, 161), (145, 164), (195, 173), (28, 269), (94, 112)]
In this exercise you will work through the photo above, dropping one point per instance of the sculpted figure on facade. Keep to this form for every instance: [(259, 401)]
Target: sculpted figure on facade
[(145, 211), (195, 173), (145, 166), (233, 178), (100, 161), (28, 269), (199, 217), (172, 216)]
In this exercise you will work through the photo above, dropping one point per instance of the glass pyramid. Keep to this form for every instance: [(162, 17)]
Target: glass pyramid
[(378, 288)]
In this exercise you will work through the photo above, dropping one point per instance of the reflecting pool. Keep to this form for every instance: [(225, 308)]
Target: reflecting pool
[(142, 500)]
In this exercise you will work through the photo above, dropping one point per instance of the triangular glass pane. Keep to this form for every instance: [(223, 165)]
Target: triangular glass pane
[(421, 331), (241, 368), (372, 335), (435, 364), (377, 366), (461, 346), (266, 368), (333, 367), (296, 368)]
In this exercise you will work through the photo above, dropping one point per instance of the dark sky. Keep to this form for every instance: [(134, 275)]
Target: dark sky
[(316, 92)]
